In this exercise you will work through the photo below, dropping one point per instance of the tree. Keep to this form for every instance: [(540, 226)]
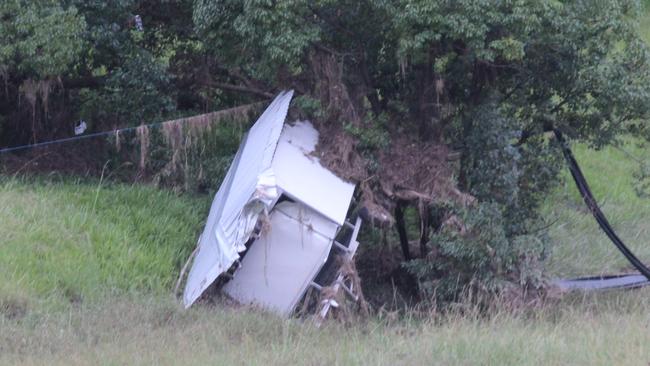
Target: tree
[(72, 60), (38, 44), (482, 78)]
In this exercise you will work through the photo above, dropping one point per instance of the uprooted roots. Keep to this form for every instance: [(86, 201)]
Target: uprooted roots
[(410, 169)]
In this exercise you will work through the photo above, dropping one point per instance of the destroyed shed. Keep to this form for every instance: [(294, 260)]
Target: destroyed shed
[(278, 221)]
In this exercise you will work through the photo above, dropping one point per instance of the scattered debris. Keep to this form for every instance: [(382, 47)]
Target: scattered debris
[(138, 23), (80, 128), (619, 281), (278, 222)]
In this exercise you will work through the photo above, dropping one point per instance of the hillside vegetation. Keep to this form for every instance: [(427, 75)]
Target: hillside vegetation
[(87, 270), (77, 242)]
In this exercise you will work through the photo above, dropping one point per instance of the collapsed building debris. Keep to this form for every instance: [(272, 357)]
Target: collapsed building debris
[(278, 223)]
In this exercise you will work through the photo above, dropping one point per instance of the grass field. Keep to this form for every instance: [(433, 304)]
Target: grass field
[(68, 242), (86, 273), (581, 248), (156, 332)]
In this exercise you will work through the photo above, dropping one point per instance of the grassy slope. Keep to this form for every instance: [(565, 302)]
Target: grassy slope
[(85, 272), (580, 246), (68, 242)]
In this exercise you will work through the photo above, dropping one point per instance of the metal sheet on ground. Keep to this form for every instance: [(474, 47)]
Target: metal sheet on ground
[(603, 283)]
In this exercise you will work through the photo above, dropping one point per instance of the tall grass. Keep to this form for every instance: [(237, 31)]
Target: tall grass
[(155, 331)]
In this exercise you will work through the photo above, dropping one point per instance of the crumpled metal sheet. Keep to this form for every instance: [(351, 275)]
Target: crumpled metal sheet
[(246, 191), (275, 159)]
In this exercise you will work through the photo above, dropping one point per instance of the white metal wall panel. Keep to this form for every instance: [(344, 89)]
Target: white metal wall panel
[(280, 265), (302, 177)]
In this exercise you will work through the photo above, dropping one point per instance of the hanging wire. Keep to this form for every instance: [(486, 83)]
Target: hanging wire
[(113, 132)]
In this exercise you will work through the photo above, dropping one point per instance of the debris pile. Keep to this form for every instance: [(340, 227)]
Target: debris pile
[(279, 223)]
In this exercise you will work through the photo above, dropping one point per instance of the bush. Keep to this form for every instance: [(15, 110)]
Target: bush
[(473, 252), (496, 242)]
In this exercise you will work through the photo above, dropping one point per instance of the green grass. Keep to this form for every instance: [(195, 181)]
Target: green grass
[(73, 242), (155, 331), (86, 273), (580, 247)]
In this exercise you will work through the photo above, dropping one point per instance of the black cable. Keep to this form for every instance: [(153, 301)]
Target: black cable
[(591, 203)]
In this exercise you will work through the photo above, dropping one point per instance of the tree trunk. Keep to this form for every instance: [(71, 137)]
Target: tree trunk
[(401, 230), (425, 221)]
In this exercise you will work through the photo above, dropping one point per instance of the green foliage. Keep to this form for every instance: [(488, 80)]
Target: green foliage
[(40, 39), (137, 92), (309, 106), (88, 61), (476, 254), (372, 136), (550, 59), (259, 36), (497, 243), (77, 241), (517, 178), (493, 165)]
